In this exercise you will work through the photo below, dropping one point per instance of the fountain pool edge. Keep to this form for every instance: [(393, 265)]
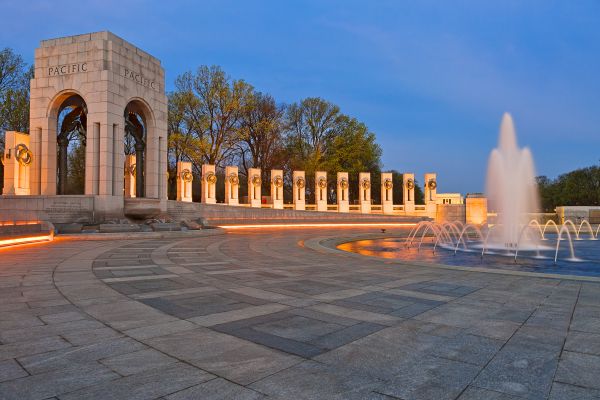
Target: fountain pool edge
[(329, 245)]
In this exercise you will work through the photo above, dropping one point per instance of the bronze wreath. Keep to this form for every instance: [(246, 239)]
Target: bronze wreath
[(432, 184), (186, 175), (278, 181), (322, 182), (300, 182), (256, 181), (23, 155), (388, 184), (410, 184), (344, 183), (211, 177), (366, 184), (233, 179)]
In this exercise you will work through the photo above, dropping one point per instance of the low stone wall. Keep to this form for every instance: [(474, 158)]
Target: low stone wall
[(219, 214), (25, 233), (450, 213), (577, 214), (55, 209)]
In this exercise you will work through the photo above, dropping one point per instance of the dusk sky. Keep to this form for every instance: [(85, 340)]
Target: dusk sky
[(430, 78)]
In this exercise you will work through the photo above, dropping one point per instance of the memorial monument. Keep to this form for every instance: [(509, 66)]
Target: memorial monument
[(101, 96), (97, 148)]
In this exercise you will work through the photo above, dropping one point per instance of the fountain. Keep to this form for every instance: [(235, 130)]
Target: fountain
[(511, 189), (514, 240)]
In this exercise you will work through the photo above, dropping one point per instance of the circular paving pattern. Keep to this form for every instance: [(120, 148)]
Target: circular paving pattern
[(282, 314)]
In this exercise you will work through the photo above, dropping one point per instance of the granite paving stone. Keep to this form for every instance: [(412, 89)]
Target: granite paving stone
[(138, 361), (10, 369), (429, 378), (561, 391), (311, 380), (19, 349), (520, 370), (579, 369), (145, 385), (55, 382), (217, 389), (82, 355), (235, 359)]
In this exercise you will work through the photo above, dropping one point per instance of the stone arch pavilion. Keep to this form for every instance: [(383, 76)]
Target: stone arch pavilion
[(115, 81)]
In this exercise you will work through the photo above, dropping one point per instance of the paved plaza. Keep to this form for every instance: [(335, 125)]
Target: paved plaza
[(280, 314)]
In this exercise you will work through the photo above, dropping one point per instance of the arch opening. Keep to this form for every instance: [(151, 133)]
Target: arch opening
[(135, 142), (71, 144)]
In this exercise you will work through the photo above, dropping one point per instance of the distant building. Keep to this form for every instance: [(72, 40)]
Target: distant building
[(449, 198)]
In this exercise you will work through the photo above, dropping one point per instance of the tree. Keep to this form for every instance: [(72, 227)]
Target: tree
[(204, 115), (319, 137), (260, 134), (352, 148), (580, 187), (311, 124), (211, 110)]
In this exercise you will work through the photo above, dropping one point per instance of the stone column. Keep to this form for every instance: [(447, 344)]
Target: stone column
[(130, 172), (364, 192), (105, 162), (430, 194), (184, 181), (209, 184), (92, 154), (343, 193), (299, 190), (17, 162), (254, 183), (408, 191), (48, 157), (277, 188), (321, 190), (119, 158), (35, 172), (232, 185), (387, 198)]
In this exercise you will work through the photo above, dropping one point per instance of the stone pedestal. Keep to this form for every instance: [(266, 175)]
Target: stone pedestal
[(364, 191), (184, 181), (476, 209), (129, 172), (209, 184), (299, 190), (18, 159), (254, 186), (387, 193), (343, 194), (321, 190), (408, 192), (277, 188), (232, 186), (430, 194)]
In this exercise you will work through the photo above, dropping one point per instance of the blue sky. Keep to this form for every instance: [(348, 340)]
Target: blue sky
[(430, 78)]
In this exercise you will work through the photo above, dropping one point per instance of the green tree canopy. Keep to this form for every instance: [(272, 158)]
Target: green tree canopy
[(14, 93), (576, 188)]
